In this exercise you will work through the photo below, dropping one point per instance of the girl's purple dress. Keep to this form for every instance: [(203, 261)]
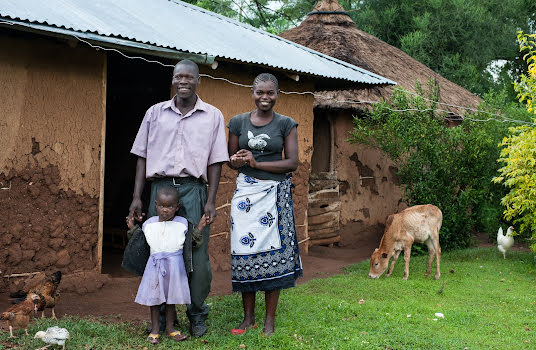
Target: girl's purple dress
[(164, 279)]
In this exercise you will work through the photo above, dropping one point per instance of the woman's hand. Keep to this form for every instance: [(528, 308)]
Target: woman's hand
[(247, 157), (237, 161), (243, 157)]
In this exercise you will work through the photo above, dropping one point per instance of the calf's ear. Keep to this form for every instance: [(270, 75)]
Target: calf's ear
[(384, 255)]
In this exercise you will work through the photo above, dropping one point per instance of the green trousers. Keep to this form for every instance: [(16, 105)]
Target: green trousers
[(192, 196)]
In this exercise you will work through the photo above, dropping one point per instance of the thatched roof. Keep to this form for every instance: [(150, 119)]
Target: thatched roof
[(328, 29)]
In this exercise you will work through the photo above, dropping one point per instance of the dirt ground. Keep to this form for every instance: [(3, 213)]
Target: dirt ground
[(116, 296), (115, 299)]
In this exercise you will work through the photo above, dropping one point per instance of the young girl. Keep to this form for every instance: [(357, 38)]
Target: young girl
[(164, 280)]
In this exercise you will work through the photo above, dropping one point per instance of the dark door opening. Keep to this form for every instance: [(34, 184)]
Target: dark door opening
[(132, 87), (321, 159)]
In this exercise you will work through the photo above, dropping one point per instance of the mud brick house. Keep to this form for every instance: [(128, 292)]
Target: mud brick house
[(357, 184), (71, 106)]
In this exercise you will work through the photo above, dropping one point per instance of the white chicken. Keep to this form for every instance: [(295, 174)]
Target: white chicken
[(505, 242), (53, 336)]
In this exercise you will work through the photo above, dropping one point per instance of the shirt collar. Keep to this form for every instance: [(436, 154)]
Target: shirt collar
[(199, 105)]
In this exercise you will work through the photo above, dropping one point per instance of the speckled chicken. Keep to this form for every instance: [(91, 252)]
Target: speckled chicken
[(49, 290), (19, 315)]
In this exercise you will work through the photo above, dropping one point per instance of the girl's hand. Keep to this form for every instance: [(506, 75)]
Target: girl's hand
[(130, 222), (203, 222)]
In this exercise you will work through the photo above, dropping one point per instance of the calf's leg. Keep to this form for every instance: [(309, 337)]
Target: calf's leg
[(395, 258), (431, 253), (407, 257), (438, 258)]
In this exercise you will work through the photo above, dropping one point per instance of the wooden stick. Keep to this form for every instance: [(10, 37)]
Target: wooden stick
[(219, 234), (325, 241), (304, 240), (223, 206), (22, 274)]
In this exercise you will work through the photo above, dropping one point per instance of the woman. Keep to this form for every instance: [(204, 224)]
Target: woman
[(264, 247)]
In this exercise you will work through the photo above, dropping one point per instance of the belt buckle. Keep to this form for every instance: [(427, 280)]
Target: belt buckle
[(174, 183)]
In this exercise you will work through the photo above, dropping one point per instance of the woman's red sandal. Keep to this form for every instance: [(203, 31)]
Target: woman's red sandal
[(238, 331)]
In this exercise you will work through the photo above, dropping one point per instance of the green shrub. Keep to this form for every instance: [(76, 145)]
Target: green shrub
[(450, 167)]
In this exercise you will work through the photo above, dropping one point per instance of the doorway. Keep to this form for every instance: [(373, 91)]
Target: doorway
[(324, 207), (132, 86)]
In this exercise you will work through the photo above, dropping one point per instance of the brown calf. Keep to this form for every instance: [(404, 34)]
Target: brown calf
[(420, 223)]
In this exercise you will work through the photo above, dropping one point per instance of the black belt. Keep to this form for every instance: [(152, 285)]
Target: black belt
[(177, 181)]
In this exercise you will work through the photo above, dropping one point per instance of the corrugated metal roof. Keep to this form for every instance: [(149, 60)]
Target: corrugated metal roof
[(175, 25)]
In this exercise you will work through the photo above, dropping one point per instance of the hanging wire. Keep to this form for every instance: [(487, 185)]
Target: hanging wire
[(505, 119)]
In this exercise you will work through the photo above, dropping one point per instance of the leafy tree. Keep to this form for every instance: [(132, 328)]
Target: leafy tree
[(526, 88), (273, 16), (457, 38), (449, 167), (519, 152)]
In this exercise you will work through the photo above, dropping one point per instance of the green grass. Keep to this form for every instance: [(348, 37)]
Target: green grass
[(488, 303)]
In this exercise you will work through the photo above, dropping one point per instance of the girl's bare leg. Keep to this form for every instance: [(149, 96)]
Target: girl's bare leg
[(155, 319), (170, 318)]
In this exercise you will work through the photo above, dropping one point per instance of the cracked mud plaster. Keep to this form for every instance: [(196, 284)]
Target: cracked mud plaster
[(52, 110), (46, 228)]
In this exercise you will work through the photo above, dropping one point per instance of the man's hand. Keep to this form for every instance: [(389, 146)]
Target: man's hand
[(135, 210), (210, 213)]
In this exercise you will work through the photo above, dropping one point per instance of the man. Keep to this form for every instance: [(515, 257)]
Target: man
[(182, 142)]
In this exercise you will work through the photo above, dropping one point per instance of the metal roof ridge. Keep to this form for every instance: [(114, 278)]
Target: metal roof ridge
[(292, 43)]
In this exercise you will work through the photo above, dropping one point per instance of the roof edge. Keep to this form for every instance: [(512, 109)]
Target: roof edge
[(290, 42), (109, 42)]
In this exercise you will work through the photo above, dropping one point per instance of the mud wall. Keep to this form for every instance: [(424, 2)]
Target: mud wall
[(369, 189), (232, 100), (50, 145)]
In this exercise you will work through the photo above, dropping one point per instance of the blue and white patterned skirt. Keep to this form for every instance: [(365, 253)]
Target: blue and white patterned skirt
[(264, 247)]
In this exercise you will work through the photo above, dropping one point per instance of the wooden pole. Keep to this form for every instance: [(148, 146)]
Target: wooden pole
[(26, 274), (102, 165), (325, 241)]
